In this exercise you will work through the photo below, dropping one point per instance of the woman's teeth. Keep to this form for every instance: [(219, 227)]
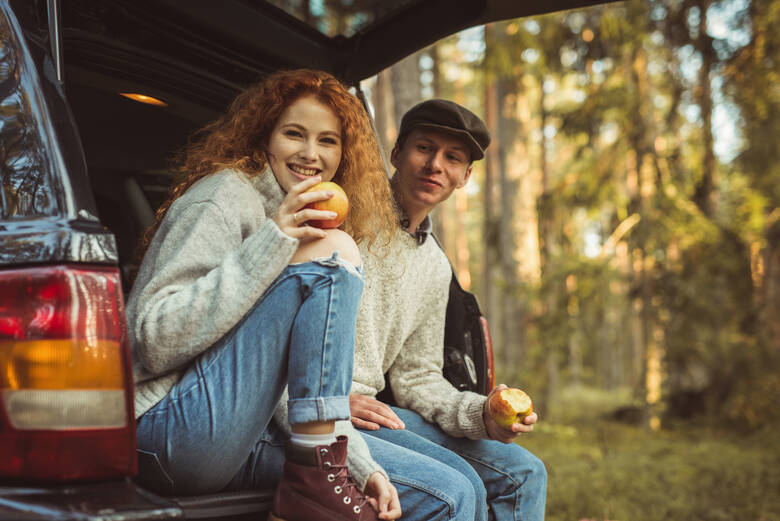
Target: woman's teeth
[(303, 171)]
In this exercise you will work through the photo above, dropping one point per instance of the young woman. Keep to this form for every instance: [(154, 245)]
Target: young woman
[(237, 297)]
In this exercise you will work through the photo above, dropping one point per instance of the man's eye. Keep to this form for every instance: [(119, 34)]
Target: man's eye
[(422, 148), (454, 159)]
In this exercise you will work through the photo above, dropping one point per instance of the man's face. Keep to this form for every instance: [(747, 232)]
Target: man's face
[(429, 167)]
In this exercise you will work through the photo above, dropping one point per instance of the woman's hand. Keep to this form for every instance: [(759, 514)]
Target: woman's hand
[(506, 434), (291, 214), (383, 496)]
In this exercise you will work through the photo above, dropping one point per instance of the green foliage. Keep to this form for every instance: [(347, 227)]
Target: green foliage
[(620, 91), (603, 470)]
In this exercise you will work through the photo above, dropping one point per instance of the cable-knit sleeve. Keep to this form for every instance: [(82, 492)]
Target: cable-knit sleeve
[(206, 277)]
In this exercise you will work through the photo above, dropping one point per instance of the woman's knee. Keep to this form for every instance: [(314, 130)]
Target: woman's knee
[(335, 240)]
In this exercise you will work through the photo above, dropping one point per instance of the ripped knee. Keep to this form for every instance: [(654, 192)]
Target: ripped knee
[(335, 240)]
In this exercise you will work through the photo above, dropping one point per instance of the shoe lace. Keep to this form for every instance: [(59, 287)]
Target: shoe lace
[(344, 483)]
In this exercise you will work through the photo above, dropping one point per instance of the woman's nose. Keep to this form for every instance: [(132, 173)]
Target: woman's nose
[(309, 150)]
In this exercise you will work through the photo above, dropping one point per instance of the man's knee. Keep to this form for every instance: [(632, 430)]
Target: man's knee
[(466, 497), (537, 472), (447, 499), (523, 469), (460, 500)]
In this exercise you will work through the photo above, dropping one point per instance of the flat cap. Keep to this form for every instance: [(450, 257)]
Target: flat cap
[(448, 116)]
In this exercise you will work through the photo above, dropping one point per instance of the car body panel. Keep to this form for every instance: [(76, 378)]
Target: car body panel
[(110, 501), (47, 213)]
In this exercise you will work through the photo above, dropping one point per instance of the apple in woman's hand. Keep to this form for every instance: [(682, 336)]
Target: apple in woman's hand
[(509, 406), (338, 203)]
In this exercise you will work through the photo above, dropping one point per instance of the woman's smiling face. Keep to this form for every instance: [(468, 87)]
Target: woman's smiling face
[(305, 142)]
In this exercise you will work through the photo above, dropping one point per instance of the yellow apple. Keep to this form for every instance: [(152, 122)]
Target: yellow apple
[(509, 406), (338, 203)]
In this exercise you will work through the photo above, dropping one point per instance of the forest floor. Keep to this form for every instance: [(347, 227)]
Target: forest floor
[(600, 469)]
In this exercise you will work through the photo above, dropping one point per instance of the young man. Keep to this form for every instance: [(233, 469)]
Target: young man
[(400, 332)]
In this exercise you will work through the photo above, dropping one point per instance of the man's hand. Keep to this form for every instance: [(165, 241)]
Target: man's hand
[(369, 413), (503, 434), (383, 496)]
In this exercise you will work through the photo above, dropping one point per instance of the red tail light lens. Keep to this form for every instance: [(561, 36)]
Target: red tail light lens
[(66, 409)]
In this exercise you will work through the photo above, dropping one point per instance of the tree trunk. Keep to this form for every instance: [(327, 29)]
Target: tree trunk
[(705, 190), (771, 285), (492, 165), (384, 116), (510, 321), (407, 88), (461, 242), (546, 227)]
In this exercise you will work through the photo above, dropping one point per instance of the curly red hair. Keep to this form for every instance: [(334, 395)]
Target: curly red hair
[(239, 139)]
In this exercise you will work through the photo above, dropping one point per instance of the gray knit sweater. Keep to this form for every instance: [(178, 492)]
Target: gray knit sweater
[(215, 253), (400, 329)]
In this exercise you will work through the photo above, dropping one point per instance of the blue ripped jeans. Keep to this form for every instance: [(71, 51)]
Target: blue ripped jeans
[(203, 436)]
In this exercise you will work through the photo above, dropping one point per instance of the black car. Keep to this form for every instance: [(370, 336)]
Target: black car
[(94, 97)]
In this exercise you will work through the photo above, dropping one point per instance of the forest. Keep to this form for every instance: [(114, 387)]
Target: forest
[(623, 239), (622, 236)]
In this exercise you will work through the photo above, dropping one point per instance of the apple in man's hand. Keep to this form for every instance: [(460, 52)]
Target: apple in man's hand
[(338, 203), (509, 406)]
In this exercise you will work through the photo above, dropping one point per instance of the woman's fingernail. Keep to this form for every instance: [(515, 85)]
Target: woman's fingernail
[(332, 215)]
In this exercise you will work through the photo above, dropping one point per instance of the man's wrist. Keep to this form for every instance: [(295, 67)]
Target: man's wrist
[(486, 420)]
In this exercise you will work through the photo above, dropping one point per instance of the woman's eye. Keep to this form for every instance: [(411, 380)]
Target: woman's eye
[(293, 133), (329, 141)]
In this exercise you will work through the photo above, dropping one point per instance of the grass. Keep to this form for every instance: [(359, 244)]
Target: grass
[(603, 470)]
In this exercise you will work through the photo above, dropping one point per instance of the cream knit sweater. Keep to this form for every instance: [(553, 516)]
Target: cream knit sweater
[(214, 255), (400, 329)]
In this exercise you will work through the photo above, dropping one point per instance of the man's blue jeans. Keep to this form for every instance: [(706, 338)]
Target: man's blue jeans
[(204, 434), (508, 478)]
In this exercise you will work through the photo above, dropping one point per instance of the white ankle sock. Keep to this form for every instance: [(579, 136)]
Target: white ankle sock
[(312, 440)]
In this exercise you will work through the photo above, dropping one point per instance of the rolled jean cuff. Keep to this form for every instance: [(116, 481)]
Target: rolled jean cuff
[(323, 408)]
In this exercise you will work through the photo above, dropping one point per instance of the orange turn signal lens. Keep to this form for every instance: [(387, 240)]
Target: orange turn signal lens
[(61, 364)]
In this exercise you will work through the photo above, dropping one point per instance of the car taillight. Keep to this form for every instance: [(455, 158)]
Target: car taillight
[(66, 409), (491, 374)]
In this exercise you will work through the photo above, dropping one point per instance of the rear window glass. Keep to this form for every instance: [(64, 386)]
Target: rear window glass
[(339, 17)]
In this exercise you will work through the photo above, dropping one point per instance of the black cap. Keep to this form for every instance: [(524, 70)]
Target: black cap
[(447, 116)]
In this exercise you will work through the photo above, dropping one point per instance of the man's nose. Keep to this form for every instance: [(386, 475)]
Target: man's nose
[(435, 161)]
